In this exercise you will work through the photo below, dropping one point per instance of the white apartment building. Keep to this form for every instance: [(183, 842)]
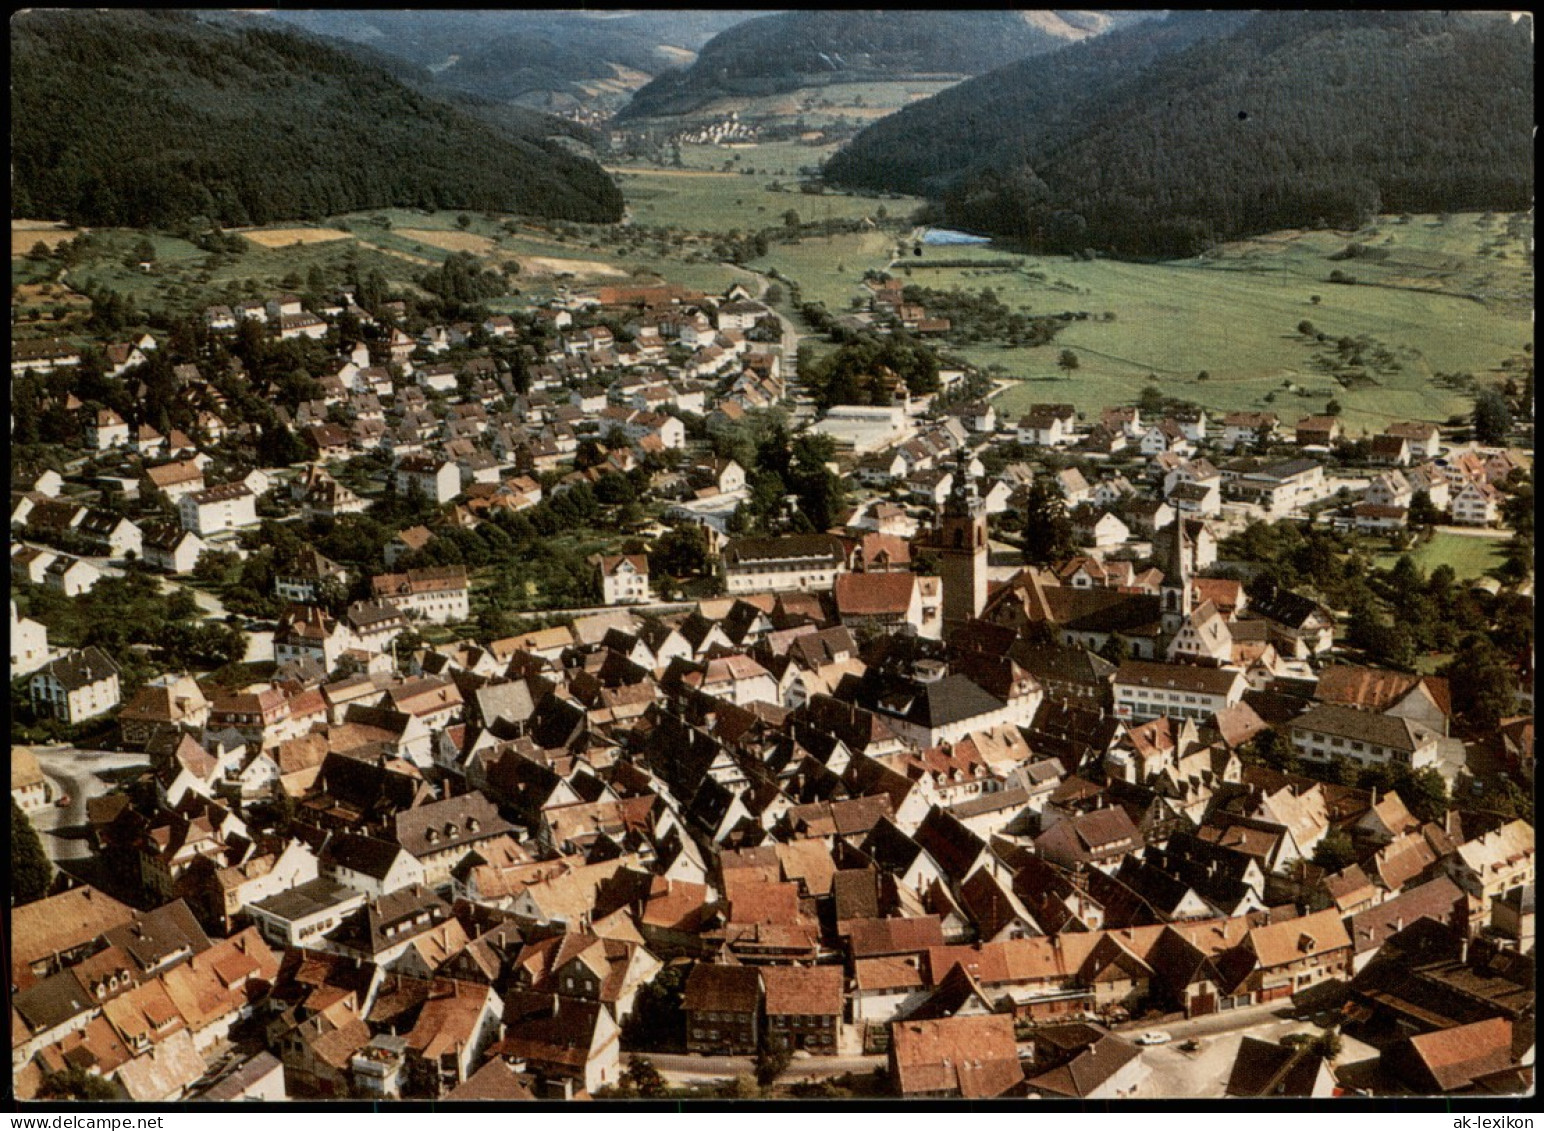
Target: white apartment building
[(794, 561), (230, 506), (1145, 691)]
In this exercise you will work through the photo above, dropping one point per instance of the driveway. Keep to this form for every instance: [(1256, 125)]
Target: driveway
[(77, 773)]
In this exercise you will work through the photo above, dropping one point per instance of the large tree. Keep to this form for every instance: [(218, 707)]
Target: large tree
[(1492, 417), (31, 871), (1047, 529), (1482, 683)]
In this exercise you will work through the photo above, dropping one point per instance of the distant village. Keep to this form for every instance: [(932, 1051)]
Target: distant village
[(877, 793)]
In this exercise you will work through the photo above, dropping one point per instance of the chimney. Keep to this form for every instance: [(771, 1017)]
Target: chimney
[(1463, 950)]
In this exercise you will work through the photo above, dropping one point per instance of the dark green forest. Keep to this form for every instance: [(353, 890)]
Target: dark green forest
[(125, 118), (1163, 138), (502, 54), (780, 52)]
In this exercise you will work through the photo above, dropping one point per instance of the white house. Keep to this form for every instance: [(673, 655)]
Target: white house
[(1047, 426), (171, 548), (1104, 532), (1204, 635), (113, 533), (174, 480), (76, 687), (438, 479), (624, 578), (439, 595), (1282, 487), (107, 430), (71, 576), (29, 788), (1475, 504), (370, 865), (1197, 499), (29, 644), (1425, 439), (215, 510), (1391, 489), (1241, 429), (303, 914), (302, 325)]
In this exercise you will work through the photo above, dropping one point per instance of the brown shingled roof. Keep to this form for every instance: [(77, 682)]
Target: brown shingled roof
[(973, 1056), (1456, 1056), (722, 989), (803, 990)]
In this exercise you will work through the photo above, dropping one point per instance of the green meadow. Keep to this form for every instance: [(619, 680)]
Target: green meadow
[(1438, 294), (1469, 557)]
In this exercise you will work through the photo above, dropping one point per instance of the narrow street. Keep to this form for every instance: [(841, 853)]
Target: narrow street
[(681, 1068), (76, 773)]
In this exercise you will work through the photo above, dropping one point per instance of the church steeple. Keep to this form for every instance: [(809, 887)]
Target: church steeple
[(1176, 558), (960, 541)]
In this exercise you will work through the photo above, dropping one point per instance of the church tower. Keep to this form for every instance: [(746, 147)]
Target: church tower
[(960, 544), (1176, 557)]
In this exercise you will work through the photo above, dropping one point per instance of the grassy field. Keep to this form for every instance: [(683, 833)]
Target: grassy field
[(1450, 294), (783, 159), (1469, 557), (288, 237), (827, 105), (700, 200), (829, 269), (27, 234), (400, 243)]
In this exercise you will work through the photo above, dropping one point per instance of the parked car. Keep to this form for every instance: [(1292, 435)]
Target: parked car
[(1154, 1037)]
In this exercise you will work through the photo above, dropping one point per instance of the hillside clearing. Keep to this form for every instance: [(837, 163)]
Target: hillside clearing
[(450, 241), (549, 265), (27, 234), (403, 255), (286, 237)]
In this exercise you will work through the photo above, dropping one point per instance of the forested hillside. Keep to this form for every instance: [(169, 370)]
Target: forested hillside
[(144, 118), (784, 51), (512, 54), (1165, 137)]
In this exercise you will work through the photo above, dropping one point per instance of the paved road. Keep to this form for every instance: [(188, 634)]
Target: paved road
[(1210, 1024), (75, 772), (683, 1069), (1205, 1071), (791, 334)]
